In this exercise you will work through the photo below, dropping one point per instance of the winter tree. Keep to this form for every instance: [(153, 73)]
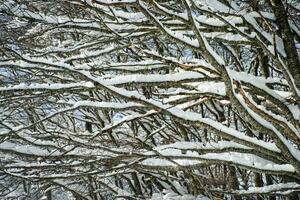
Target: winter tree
[(150, 99)]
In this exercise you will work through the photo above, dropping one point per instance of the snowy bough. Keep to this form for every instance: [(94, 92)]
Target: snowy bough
[(145, 99)]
